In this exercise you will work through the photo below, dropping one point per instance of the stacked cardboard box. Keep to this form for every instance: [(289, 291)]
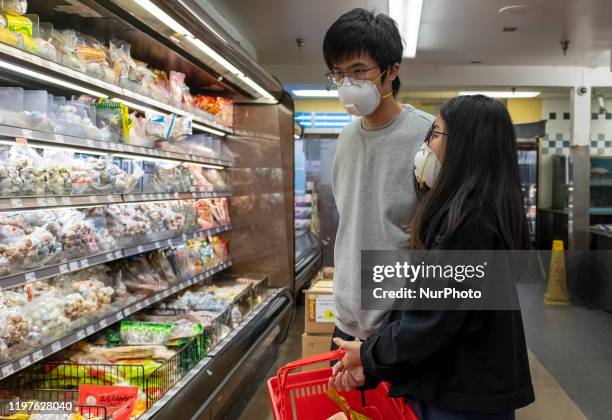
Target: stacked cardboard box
[(319, 316)]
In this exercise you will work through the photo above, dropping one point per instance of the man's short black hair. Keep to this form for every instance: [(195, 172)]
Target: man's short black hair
[(360, 31)]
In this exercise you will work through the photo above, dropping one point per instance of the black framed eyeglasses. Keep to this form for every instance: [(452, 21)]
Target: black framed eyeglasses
[(356, 76), (431, 132)]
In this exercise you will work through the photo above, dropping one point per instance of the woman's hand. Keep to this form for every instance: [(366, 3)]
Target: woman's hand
[(352, 358), (348, 374)]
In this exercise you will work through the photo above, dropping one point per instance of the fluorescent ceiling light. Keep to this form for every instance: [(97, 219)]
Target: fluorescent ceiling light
[(315, 93), (164, 18), (503, 94), (407, 14), (50, 79), (210, 130)]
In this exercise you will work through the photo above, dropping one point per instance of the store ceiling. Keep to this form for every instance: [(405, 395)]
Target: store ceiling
[(452, 32)]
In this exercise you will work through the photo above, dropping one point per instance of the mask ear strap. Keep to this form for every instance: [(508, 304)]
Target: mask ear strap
[(421, 179), (386, 96)]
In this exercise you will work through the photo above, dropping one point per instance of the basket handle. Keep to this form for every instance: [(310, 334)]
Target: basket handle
[(311, 360)]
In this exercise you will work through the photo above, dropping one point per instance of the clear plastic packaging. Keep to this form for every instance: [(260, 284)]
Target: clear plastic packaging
[(35, 101), (143, 333), (11, 99), (14, 7)]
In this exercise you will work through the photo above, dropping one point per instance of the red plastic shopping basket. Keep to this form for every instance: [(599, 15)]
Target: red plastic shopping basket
[(301, 395)]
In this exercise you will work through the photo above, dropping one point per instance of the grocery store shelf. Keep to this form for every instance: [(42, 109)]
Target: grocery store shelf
[(199, 389), (13, 203), (45, 138), (79, 264), (23, 64), (48, 349)]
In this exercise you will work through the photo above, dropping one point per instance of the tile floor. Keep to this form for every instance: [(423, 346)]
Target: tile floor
[(570, 357)]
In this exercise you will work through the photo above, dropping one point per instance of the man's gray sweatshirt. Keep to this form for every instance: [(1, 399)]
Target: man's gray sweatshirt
[(374, 192)]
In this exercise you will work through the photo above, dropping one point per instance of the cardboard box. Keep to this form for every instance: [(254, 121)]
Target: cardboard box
[(315, 344), (319, 307)]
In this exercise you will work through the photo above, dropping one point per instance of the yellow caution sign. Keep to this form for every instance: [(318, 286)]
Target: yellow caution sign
[(557, 285)]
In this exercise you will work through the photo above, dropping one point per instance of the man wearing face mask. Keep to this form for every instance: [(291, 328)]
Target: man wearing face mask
[(373, 167)]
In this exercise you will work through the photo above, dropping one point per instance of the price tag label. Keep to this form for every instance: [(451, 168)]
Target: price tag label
[(90, 143), (55, 347), (118, 255), (24, 362), (41, 202), (74, 265), (59, 138), (63, 268), (131, 197), (112, 146), (90, 330), (30, 277), (140, 248), (103, 323), (84, 263), (120, 148), (160, 196), (7, 370), (16, 202), (27, 133), (51, 201), (157, 244), (93, 198), (67, 201), (80, 335), (110, 256), (37, 355), (184, 236)]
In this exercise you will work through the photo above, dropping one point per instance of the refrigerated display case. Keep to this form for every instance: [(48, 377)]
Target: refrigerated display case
[(146, 164)]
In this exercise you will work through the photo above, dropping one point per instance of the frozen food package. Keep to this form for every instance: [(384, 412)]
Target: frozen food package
[(17, 24), (216, 179), (205, 215), (78, 234), (120, 59), (138, 333), (220, 210), (14, 7), (47, 313), (58, 165), (114, 116), (159, 262), (177, 82)]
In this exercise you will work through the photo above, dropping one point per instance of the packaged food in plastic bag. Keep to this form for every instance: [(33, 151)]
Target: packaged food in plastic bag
[(160, 264), (214, 177), (17, 24), (47, 313), (115, 117), (78, 234), (121, 60), (220, 210), (138, 277), (14, 7), (205, 216), (135, 333), (127, 222)]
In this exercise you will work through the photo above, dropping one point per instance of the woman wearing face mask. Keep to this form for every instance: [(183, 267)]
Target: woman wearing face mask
[(456, 364)]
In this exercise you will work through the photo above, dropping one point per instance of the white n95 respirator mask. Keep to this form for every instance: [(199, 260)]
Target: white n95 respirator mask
[(359, 99), (426, 166)]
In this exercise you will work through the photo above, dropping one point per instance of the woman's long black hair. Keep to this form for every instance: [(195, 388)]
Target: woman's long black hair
[(479, 169)]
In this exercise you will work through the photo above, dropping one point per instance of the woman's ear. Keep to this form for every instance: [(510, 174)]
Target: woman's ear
[(393, 71)]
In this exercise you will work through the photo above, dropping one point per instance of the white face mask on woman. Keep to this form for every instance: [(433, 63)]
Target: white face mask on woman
[(362, 98), (426, 166)]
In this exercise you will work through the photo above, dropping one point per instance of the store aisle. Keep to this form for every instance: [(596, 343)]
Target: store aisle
[(290, 350)]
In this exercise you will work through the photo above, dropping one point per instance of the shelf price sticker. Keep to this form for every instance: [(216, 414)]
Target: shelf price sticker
[(110, 256), (30, 277), (51, 201), (67, 201), (84, 263), (80, 334), (103, 323), (140, 248), (90, 143), (63, 268), (55, 347), (8, 370), (41, 202), (74, 265), (37, 355), (90, 330), (118, 254), (16, 202), (93, 198), (27, 133), (24, 362), (59, 138)]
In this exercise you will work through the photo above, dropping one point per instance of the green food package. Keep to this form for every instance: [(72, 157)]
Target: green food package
[(134, 332), (19, 24)]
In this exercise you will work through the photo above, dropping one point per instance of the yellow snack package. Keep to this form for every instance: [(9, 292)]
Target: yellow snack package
[(19, 24)]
